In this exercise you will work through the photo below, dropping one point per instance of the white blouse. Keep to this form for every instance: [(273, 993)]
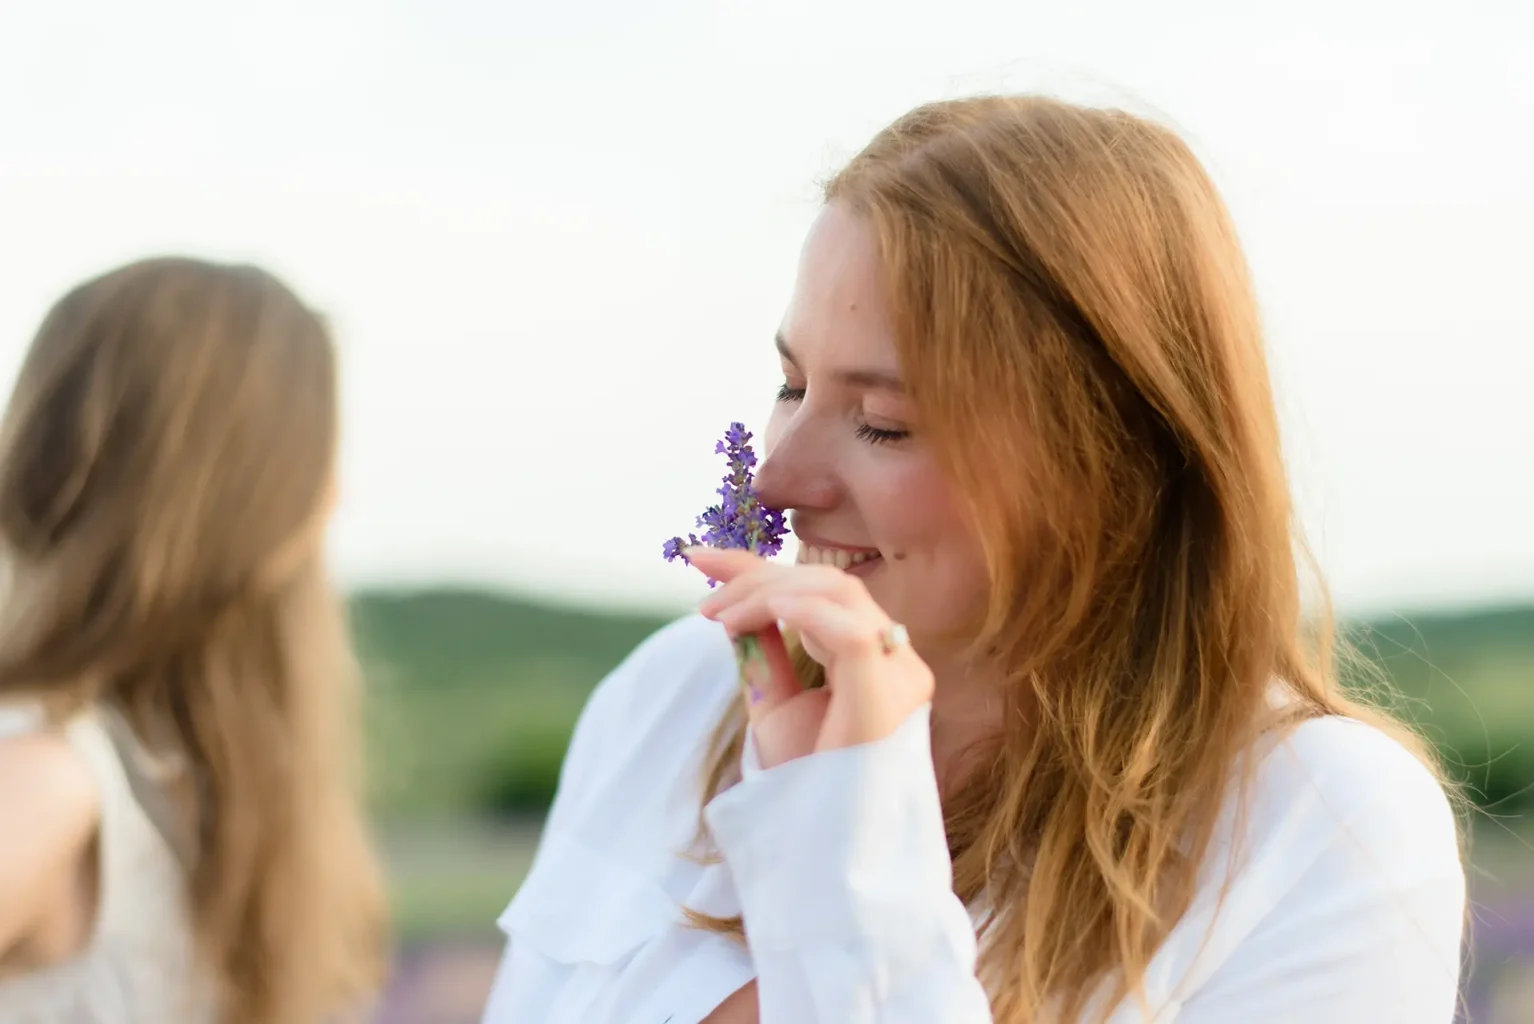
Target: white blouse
[(1347, 904)]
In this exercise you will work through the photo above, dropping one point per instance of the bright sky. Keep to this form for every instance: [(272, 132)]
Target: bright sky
[(556, 238)]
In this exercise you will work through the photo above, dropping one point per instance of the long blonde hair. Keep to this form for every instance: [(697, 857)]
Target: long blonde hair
[(166, 463), (1074, 319)]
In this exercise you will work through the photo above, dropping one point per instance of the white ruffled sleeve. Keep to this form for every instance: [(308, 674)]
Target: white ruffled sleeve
[(845, 883)]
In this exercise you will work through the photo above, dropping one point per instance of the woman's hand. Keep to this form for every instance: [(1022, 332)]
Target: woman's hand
[(874, 680)]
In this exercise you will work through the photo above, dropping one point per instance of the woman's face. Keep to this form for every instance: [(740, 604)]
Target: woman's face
[(844, 452)]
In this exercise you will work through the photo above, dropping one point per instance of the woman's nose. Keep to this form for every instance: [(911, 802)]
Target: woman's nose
[(797, 474)]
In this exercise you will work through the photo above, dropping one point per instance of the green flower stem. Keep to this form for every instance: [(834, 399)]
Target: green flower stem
[(751, 661)]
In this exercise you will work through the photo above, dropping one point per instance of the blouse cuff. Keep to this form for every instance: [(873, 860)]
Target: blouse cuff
[(839, 845)]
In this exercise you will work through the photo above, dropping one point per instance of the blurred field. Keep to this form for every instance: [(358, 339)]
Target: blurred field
[(473, 697), (452, 878)]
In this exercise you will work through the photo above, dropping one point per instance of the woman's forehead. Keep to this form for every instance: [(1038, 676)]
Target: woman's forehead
[(839, 309)]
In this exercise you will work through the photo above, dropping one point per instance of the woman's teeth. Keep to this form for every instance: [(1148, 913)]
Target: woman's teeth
[(839, 557)]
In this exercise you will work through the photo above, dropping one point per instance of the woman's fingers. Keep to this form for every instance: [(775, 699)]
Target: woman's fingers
[(766, 670), (837, 629), (739, 587), (875, 683), (876, 680), (807, 579), (723, 564), (792, 730)]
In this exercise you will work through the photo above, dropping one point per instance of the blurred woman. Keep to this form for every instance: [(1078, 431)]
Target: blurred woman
[(183, 839), (1056, 743)]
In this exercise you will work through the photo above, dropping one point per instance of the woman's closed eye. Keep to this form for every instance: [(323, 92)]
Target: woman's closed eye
[(881, 435), (866, 431)]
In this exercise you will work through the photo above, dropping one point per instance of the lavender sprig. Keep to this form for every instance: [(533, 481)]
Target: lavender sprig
[(740, 520)]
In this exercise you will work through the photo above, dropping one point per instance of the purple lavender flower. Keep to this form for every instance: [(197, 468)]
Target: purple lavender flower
[(740, 520)]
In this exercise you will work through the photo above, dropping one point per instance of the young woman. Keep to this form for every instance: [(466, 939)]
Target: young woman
[(1059, 741), (183, 841)]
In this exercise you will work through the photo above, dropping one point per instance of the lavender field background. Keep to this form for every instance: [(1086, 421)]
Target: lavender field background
[(474, 695)]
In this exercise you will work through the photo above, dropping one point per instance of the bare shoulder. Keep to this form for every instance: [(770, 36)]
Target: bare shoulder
[(49, 810), (43, 769)]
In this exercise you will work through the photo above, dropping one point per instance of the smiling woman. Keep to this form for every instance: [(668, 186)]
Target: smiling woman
[(1053, 741)]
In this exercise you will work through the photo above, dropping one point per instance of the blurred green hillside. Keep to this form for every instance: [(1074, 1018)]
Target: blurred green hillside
[(1467, 682), (473, 695)]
